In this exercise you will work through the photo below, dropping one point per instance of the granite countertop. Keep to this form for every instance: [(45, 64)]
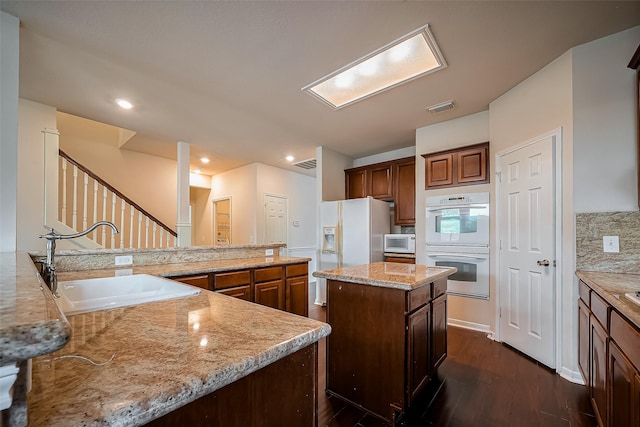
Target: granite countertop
[(30, 322), (129, 365), (182, 268), (612, 287), (388, 274)]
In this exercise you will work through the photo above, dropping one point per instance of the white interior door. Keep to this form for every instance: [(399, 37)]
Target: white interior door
[(527, 249), (275, 226)]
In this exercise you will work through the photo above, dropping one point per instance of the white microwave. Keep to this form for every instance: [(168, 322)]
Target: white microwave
[(400, 243)]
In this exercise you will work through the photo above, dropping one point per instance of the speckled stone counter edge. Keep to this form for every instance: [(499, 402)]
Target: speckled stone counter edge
[(612, 287)]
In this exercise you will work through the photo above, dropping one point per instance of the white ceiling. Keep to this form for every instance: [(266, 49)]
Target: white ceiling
[(226, 76)]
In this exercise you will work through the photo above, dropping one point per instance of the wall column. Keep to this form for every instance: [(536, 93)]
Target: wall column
[(9, 45), (183, 226)]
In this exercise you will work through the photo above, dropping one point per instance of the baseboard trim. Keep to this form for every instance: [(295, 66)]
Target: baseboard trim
[(571, 375), (472, 325)]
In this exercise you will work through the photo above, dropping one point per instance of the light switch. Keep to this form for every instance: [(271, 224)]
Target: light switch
[(611, 243)]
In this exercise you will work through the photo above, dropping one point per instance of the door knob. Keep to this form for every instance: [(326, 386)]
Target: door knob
[(544, 262)]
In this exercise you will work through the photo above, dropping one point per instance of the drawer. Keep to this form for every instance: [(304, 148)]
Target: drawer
[(627, 337), (201, 281), (600, 308), (439, 287), (583, 290), (297, 270), (267, 274), (231, 279), (418, 297)]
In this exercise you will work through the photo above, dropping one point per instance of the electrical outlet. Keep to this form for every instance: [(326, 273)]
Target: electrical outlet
[(124, 260), (124, 272), (611, 243), (268, 252)]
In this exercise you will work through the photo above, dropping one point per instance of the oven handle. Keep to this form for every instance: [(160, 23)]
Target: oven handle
[(458, 206), (456, 256)]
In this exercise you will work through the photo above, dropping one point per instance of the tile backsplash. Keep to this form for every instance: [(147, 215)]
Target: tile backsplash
[(590, 229)]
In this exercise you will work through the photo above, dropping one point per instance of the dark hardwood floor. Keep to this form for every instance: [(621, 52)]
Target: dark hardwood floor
[(483, 383)]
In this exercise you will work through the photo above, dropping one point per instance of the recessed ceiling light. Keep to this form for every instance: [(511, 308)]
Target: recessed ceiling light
[(290, 158), (123, 103), (409, 57), (197, 171), (204, 160)]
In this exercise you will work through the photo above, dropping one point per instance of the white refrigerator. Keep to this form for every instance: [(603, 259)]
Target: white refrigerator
[(351, 233)]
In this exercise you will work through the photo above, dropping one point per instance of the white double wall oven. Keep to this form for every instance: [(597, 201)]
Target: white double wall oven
[(458, 236)]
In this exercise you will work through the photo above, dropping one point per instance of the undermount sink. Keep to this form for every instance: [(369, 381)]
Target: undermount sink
[(81, 296)]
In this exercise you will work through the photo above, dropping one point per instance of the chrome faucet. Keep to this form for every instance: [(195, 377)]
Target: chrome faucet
[(49, 268)]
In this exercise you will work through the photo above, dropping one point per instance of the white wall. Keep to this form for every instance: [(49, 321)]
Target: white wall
[(386, 156), (330, 166), (300, 191), (148, 180), (605, 135), (455, 133), (34, 118), (240, 185), (9, 46)]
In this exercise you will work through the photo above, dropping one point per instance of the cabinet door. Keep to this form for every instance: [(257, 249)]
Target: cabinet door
[(636, 401), (419, 351), (622, 376), (297, 295), (356, 184), (472, 166), (439, 339), (405, 193), (201, 281), (583, 340), (270, 294), (439, 170), (598, 372), (381, 182), (241, 292)]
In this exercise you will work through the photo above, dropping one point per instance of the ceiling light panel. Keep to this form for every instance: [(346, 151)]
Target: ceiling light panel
[(400, 61)]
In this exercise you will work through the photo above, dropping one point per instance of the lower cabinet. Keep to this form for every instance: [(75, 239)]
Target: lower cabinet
[(297, 289), (583, 340), (609, 359), (598, 380), (439, 315), (269, 287), (241, 292), (284, 287), (419, 350)]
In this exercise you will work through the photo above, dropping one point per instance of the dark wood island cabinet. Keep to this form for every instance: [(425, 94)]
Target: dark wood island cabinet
[(388, 334)]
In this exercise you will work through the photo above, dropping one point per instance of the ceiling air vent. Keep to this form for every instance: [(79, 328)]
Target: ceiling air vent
[(306, 164), (439, 108)]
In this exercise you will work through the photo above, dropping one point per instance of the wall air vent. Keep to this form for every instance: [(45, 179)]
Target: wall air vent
[(306, 164), (439, 108)]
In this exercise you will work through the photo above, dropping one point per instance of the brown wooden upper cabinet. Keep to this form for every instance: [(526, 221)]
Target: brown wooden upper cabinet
[(392, 181), (461, 166)]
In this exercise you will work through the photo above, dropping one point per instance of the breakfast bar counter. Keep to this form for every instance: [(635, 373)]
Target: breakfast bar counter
[(128, 366)]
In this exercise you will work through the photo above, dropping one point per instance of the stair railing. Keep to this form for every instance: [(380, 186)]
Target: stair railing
[(85, 198)]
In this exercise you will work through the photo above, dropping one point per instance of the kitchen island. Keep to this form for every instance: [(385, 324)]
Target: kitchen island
[(206, 359), (389, 334)]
